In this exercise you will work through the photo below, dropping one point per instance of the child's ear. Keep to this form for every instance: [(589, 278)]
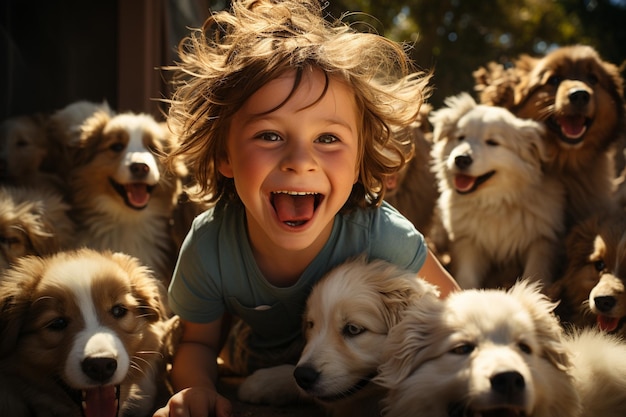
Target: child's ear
[(225, 168)]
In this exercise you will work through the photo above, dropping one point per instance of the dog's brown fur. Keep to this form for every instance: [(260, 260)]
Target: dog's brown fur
[(32, 222), (47, 333), (567, 89), (592, 291)]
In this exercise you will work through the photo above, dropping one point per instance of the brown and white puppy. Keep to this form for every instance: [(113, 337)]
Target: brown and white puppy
[(580, 99), (348, 316), (32, 222), (592, 290), (500, 211), (499, 353), (82, 333), (123, 197)]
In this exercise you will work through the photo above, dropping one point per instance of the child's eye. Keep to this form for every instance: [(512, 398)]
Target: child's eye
[(327, 139), (269, 136)]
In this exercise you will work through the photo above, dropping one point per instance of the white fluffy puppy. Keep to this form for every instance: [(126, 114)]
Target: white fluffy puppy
[(499, 210)]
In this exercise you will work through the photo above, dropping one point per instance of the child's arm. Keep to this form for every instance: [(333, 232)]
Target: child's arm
[(194, 374), (433, 272)]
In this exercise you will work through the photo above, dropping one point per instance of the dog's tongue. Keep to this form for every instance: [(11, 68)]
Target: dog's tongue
[(100, 402), (294, 208), (573, 127), (607, 324), (137, 194), (464, 182)]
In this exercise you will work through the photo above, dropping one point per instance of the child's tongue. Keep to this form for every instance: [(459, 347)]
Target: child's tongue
[(294, 208)]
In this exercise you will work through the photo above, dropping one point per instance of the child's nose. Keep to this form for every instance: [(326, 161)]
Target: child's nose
[(299, 158)]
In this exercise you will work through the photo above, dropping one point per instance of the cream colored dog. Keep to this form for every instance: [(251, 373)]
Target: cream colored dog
[(499, 210), (348, 316), (483, 353)]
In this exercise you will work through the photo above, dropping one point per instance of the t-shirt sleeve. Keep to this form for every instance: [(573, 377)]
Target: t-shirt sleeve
[(395, 239), (194, 293)]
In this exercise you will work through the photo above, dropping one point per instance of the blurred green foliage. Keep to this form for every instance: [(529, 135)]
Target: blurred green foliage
[(455, 37)]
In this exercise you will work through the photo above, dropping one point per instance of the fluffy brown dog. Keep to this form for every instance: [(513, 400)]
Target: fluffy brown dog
[(580, 99), (82, 333), (592, 290)]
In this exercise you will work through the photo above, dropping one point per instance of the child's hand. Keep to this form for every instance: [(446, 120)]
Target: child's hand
[(196, 402)]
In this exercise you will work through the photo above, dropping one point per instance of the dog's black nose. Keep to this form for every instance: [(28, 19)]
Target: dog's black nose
[(99, 369), (508, 383), (579, 97), (605, 303), (305, 376), (139, 169), (463, 161)]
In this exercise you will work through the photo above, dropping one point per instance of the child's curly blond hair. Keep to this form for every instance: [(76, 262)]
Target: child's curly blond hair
[(257, 41)]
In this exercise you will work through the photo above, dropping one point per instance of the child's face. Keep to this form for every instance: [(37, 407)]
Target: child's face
[(294, 167)]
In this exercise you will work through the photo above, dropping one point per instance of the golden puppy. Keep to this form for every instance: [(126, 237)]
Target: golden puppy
[(348, 316), (496, 353), (499, 210), (580, 99), (82, 333), (32, 222)]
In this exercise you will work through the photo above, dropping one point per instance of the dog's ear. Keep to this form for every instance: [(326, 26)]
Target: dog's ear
[(16, 287), (146, 287), (412, 341), (445, 119), (548, 329), (525, 78), (531, 141), (84, 148)]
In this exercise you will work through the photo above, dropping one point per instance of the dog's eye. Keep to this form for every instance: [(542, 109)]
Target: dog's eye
[(592, 79), (524, 348), (554, 80), (117, 147), (464, 349), (352, 330), (460, 138), (57, 324), (309, 324), (491, 142), (119, 311), (599, 265)]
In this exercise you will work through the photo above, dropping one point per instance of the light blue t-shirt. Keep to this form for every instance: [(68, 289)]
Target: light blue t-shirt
[(216, 271)]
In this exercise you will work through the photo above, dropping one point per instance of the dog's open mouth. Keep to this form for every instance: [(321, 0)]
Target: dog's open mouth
[(571, 129), (459, 410), (136, 195), (609, 324), (465, 184), (103, 401), (295, 208)]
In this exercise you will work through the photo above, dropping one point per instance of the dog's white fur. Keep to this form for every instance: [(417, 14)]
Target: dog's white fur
[(511, 220), (81, 322), (348, 315), (122, 195), (480, 352)]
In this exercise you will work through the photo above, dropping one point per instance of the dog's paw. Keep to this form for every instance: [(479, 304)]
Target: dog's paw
[(274, 386)]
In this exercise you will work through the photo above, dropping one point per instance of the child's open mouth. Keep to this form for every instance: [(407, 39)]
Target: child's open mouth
[(295, 208)]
